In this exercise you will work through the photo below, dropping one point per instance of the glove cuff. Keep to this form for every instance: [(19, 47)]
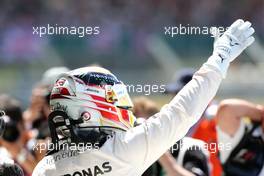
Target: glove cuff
[(219, 62)]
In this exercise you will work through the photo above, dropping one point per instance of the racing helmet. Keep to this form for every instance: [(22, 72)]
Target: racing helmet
[(88, 102)]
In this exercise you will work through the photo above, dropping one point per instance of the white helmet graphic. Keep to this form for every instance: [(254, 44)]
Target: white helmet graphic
[(88, 102)]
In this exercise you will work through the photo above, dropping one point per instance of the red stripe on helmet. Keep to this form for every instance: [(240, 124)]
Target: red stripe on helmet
[(60, 92), (96, 97), (64, 91), (124, 114), (109, 115), (58, 96)]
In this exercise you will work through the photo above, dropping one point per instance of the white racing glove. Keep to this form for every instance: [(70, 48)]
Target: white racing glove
[(231, 44)]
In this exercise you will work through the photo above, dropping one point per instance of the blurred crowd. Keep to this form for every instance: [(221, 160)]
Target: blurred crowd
[(139, 15), (25, 130), (124, 24)]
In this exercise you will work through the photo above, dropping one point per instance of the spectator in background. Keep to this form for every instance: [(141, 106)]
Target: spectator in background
[(36, 116), (38, 110), (184, 76), (5, 157), (240, 141), (144, 107), (188, 158), (180, 79), (15, 137), (7, 169)]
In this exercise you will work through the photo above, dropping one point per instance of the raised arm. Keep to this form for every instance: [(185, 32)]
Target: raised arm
[(230, 112), (144, 144)]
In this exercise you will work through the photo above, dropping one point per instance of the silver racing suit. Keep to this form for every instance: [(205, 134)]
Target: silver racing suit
[(130, 153)]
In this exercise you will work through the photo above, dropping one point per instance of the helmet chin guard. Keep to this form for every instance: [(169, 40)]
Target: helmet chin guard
[(75, 134)]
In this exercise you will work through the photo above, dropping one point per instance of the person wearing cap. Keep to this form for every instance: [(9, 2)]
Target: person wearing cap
[(36, 115), (199, 156), (180, 79)]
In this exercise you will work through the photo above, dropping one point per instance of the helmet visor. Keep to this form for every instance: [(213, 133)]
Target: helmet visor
[(119, 95)]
